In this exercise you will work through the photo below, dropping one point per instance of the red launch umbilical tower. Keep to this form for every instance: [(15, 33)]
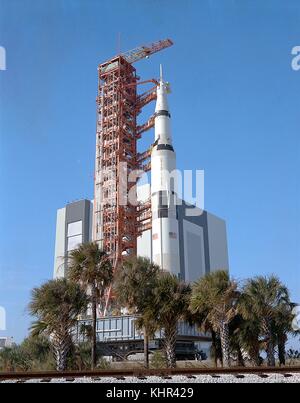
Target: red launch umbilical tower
[(118, 223)]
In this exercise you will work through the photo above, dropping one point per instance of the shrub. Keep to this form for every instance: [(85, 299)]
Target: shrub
[(158, 360)]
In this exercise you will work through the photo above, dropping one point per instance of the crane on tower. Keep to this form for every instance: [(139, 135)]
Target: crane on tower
[(145, 51)]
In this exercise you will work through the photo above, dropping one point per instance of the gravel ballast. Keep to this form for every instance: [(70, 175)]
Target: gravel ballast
[(272, 378)]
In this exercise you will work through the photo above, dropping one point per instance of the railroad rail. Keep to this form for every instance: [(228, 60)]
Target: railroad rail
[(143, 373)]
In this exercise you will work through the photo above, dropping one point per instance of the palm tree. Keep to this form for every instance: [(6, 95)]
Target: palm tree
[(91, 267), (200, 320), (216, 295), (216, 346), (171, 302), (262, 300), (134, 286), (282, 326), (245, 340), (235, 342), (57, 305), (249, 339)]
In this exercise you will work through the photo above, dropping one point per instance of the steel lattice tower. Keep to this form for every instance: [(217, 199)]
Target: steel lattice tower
[(117, 223)]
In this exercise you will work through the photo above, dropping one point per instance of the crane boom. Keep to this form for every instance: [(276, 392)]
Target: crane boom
[(141, 52)]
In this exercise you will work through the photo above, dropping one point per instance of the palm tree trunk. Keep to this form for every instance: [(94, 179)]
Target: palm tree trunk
[(270, 344), (270, 353), (224, 335), (281, 354), (61, 347), (214, 347), (94, 337), (281, 349), (254, 356), (170, 345), (241, 361), (60, 360), (146, 348)]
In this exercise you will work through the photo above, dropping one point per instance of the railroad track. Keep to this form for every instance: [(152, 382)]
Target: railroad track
[(189, 373)]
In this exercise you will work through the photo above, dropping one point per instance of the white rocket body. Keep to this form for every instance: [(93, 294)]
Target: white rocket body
[(165, 233)]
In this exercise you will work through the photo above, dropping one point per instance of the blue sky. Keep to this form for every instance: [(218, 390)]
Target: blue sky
[(235, 114)]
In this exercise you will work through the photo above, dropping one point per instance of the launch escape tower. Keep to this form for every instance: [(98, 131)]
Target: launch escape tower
[(117, 224)]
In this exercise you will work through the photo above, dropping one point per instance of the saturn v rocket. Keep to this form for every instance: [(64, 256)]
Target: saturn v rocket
[(165, 236)]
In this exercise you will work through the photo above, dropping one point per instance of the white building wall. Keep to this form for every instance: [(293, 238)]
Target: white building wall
[(218, 249), (60, 244)]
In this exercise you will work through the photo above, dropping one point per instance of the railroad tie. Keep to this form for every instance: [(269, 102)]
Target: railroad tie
[(70, 380)]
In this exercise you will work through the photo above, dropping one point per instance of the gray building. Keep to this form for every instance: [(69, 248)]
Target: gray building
[(202, 249), (73, 227), (202, 238)]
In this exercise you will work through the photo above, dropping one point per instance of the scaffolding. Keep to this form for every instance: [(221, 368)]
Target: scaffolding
[(119, 221), (116, 149)]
